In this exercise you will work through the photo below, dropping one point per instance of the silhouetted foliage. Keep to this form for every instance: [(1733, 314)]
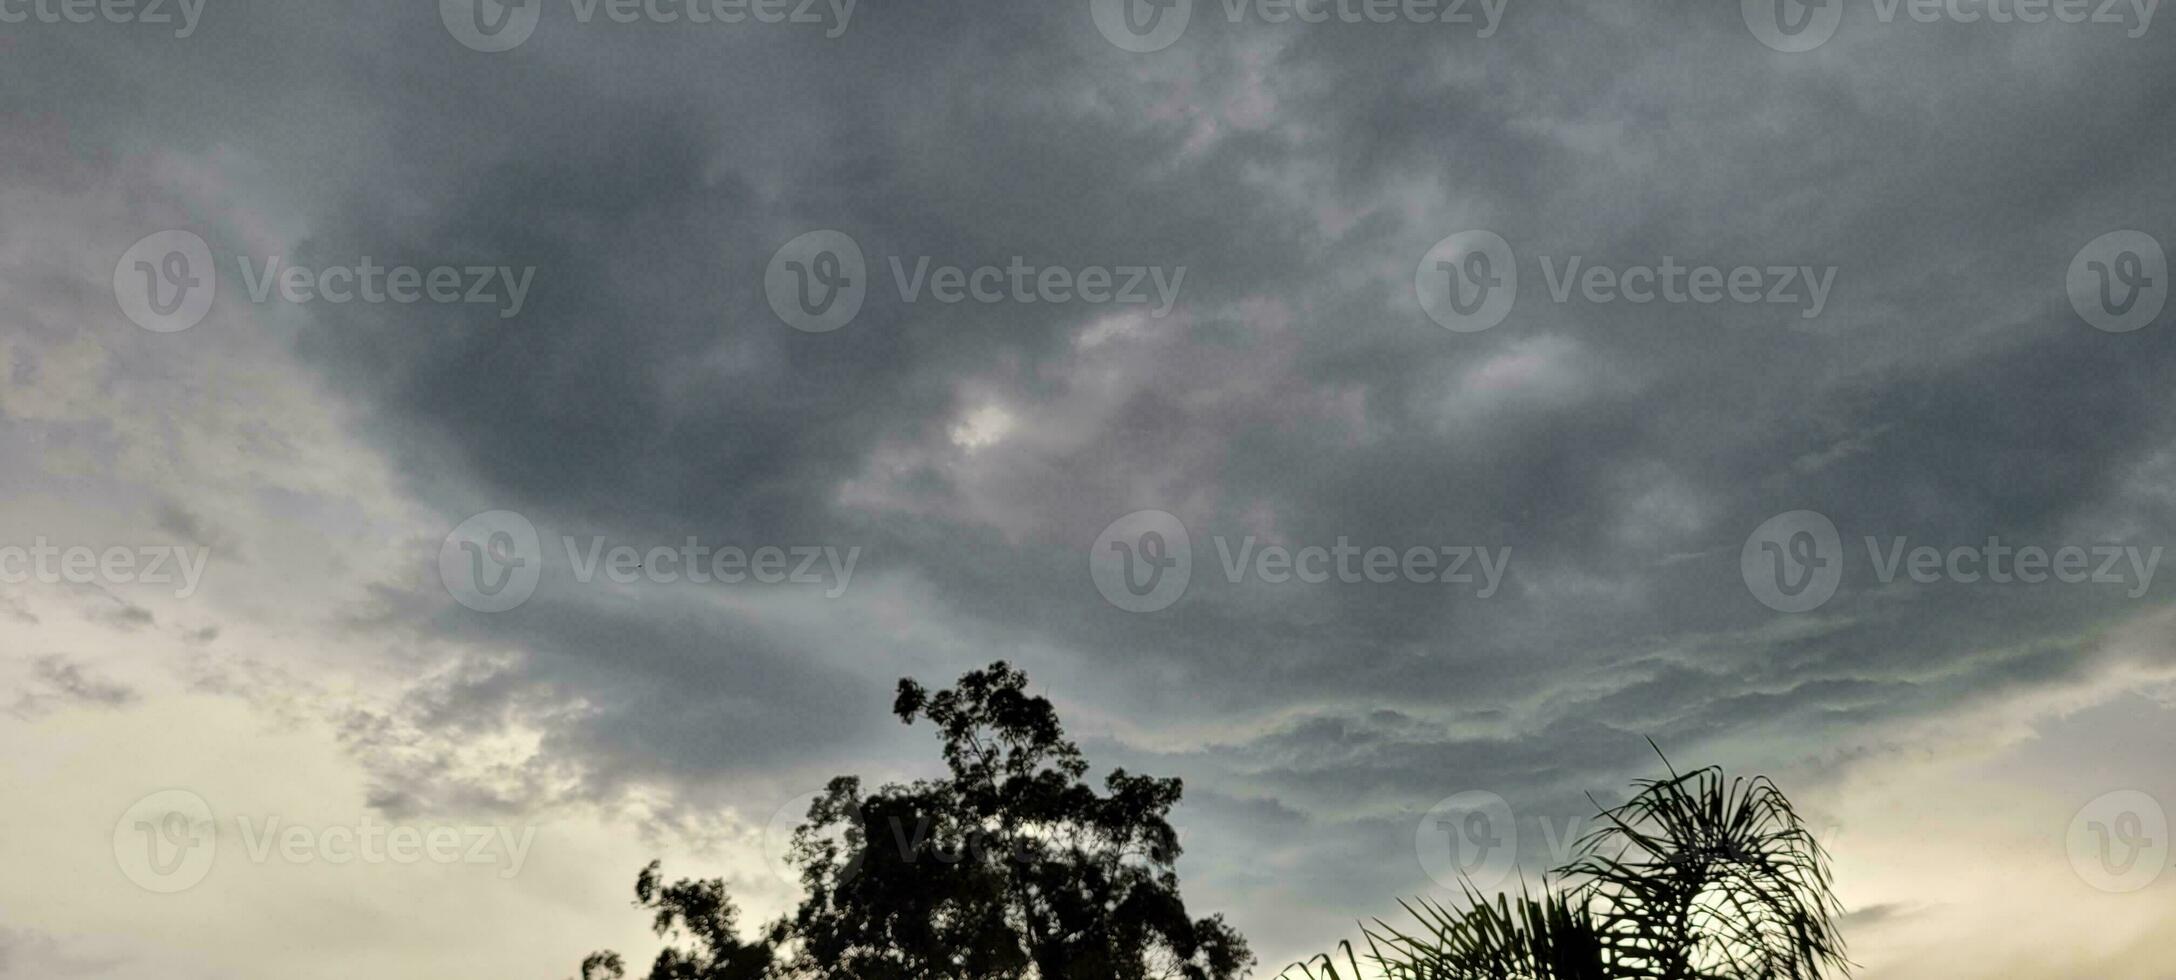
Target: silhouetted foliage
[(1010, 868), (702, 911), (1697, 877)]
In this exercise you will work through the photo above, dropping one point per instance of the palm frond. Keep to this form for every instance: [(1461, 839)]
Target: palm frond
[(1543, 937), (1704, 875), (1698, 876)]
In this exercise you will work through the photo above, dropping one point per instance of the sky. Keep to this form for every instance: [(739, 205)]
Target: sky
[(455, 456)]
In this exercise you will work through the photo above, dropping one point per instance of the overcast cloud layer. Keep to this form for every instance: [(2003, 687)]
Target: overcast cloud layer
[(1955, 738)]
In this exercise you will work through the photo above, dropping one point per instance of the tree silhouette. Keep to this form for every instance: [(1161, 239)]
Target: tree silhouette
[(702, 910), (1010, 868), (1697, 877)]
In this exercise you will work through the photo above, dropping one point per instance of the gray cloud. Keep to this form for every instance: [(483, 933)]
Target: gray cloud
[(58, 680), (1622, 452)]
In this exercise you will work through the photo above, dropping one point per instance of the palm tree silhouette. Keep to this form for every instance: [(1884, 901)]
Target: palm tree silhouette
[(1698, 877)]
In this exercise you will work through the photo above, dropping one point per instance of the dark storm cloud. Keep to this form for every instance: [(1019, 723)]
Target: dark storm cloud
[(1623, 452)]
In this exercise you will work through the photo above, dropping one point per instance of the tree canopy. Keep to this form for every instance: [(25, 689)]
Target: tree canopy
[(1010, 867)]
